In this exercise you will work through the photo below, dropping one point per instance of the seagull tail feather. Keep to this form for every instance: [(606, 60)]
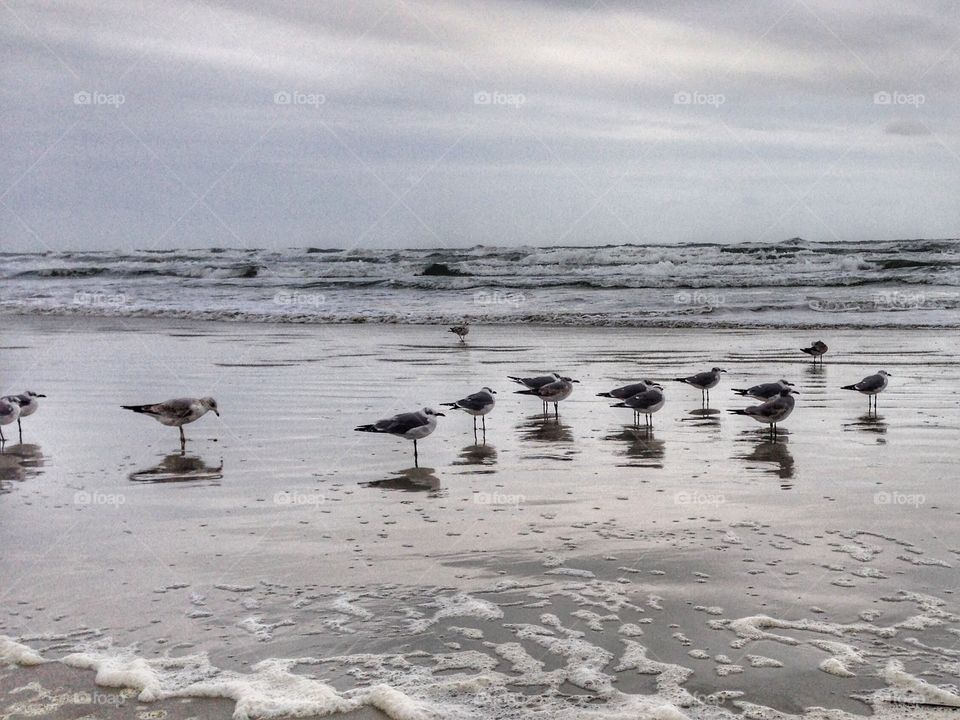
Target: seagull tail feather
[(367, 428), (849, 387)]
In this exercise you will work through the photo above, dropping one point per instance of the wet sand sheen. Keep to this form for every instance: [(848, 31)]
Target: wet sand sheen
[(282, 534)]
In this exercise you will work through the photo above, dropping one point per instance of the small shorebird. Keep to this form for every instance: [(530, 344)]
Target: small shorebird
[(772, 411), (479, 404), (178, 412), (9, 413), (28, 403), (410, 426), (552, 392), (703, 381), (816, 350), (461, 331), (644, 403), (871, 386), (763, 391), (628, 391)]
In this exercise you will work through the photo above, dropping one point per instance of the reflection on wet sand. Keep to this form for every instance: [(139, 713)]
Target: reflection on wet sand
[(19, 463), (478, 455), (179, 468), (772, 456), (544, 428), (415, 479), (643, 449), (868, 422)]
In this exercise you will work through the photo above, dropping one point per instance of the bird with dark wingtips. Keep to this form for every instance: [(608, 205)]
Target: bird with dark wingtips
[(535, 383), (644, 403), (410, 426), (552, 392), (816, 350), (461, 331), (773, 411), (871, 386), (479, 404), (9, 414), (703, 381), (177, 413), (763, 391), (627, 391), (27, 400)]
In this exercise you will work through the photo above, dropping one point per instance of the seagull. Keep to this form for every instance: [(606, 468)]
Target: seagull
[(552, 392), (535, 383), (411, 426), (872, 385), (644, 403), (461, 331), (816, 350), (772, 411), (479, 404), (703, 381), (628, 391), (27, 401), (178, 412), (763, 391), (9, 413)]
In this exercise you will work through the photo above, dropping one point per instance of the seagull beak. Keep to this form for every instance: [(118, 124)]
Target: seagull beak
[(38, 395), (439, 415), (217, 412), (493, 392), (576, 381)]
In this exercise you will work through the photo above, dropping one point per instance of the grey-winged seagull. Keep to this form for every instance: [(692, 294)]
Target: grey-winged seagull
[(461, 331), (773, 411), (644, 403), (479, 404), (535, 383), (9, 413), (763, 391), (871, 386), (627, 391), (816, 350), (177, 412), (27, 400), (703, 381), (410, 426), (552, 392)]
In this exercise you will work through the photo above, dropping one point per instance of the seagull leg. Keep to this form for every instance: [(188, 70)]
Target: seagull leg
[(556, 410), (416, 459), (20, 430), (483, 420), (183, 438), (2, 438)]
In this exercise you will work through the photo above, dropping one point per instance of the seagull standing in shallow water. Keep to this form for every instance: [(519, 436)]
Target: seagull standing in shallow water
[(479, 404), (763, 391), (816, 350), (552, 392), (871, 386), (461, 331), (178, 412), (9, 413), (628, 391), (704, 381), (645, 403), (410, 426), (535, 383), (27, 401), (772, 411)]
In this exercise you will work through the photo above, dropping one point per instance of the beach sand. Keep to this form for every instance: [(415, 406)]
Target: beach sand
[(284, 534)]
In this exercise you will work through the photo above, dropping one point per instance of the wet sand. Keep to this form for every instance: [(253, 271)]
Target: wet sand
[(284, 534)]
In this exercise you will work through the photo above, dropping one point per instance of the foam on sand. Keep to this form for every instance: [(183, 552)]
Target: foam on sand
[(13, 653)]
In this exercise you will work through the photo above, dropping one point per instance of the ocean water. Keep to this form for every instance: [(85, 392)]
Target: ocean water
[(796, 283)]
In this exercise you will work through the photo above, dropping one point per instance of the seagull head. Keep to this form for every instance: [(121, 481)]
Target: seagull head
[(210, 404), (490, 390), (884, 373), (787, 392), (430, 412), (718, 370), (786, 383), (570, 380), (31, 393)]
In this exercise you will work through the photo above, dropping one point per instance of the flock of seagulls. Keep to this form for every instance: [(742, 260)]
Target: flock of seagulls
[(644, 397)]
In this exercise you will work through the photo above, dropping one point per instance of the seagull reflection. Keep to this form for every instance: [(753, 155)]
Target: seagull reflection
[(415, 479), (544, 428), (478, 455), (643, 449), (773, 456), (179, 468), (19, 463), (869, 422)]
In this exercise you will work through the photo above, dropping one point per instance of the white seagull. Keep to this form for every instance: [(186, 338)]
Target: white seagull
[(178, 412), (763, 391), (772, 411), (645, 403), (410, 426), (9, 413), (703, 381), (27, 400), (871, 386), (479, 404)]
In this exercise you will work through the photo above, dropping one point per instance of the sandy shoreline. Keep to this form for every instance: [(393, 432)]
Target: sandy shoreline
[(283, 534)]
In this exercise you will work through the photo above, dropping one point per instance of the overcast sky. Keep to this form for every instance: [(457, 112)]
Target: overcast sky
[(385, 123)]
